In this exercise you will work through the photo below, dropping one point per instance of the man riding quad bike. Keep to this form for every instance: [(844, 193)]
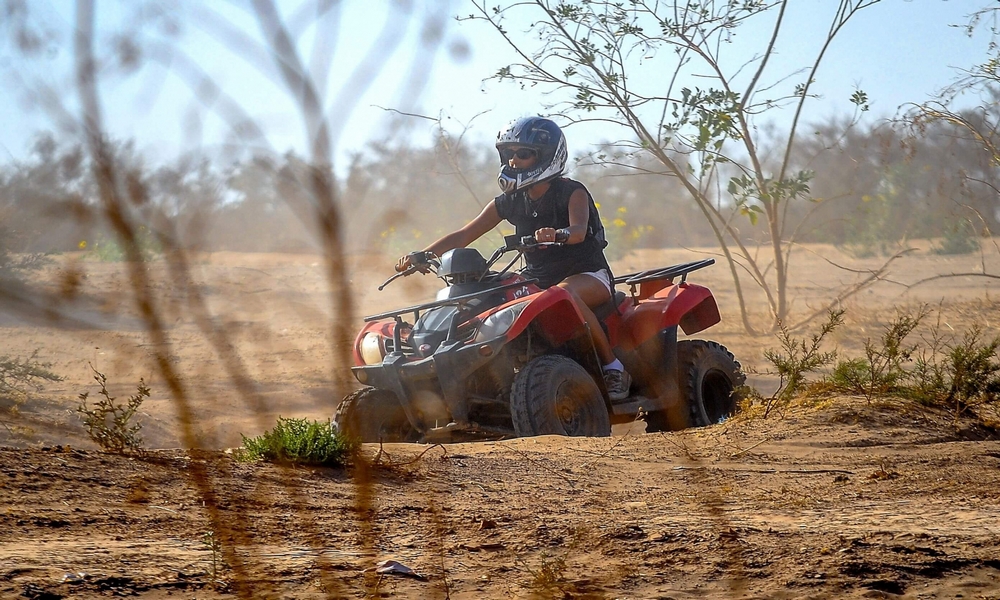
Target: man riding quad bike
[(495, 356)]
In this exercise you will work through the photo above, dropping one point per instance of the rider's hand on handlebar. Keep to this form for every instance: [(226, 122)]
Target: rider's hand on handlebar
[(545, 234), (413, 259), (550, 235)]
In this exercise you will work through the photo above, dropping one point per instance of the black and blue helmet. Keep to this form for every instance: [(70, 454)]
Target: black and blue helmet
[(541, 135)]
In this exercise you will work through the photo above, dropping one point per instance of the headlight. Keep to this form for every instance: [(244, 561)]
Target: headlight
[(498, 323), (371, 349)]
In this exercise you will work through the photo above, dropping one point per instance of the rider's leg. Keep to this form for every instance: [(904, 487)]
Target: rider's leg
[(589, 291)]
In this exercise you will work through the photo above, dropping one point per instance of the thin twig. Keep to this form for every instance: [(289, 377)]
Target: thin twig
[(950, 275), (747, 470), (390, 463), (745, 450), (421, 455)]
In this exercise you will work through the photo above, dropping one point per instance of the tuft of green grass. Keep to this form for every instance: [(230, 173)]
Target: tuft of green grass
[(299, 441)]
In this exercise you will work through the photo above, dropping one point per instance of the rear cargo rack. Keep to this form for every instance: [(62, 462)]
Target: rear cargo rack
[(634, 279), (664, 272)]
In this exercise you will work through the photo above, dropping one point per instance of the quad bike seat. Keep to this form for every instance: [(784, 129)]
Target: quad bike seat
[(611, 306)]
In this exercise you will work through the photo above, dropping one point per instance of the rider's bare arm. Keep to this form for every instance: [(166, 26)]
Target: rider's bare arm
[(476, 228), (579, 216)]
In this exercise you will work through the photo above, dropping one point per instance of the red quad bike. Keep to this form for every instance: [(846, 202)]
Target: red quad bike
[(497, 356)]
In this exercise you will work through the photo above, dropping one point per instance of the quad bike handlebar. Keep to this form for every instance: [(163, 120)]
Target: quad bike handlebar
[(419, 261), (425, 262), (456, 301)]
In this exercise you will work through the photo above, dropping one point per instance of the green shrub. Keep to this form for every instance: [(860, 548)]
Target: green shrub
[(299, 441), (14, 266), (873, 229), (959, 238), (961, 375), (852, 375), (792, 362), (109, 424), (881, 371), (113, 249), (19, 376)]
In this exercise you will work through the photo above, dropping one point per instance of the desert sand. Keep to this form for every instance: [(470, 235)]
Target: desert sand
[(835, 498)]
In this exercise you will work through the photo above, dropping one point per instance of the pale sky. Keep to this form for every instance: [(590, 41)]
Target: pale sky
[(897, 51)]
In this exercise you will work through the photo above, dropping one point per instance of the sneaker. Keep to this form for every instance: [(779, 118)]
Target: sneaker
[(617, 383)]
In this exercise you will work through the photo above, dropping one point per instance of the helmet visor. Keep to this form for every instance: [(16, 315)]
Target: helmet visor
[(509, 153)]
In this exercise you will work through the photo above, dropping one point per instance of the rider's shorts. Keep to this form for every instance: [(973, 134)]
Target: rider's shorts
[(602, 276)]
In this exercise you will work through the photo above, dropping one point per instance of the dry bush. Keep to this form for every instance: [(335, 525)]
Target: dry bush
[(113, 425)]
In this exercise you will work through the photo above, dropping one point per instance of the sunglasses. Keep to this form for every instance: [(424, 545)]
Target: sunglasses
[(524, 153)]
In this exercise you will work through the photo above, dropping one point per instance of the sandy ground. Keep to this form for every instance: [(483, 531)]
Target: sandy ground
[(844, 499)]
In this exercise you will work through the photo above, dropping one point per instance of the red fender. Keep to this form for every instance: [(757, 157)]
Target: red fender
[(554, 310), (691, 306), (383, 328)]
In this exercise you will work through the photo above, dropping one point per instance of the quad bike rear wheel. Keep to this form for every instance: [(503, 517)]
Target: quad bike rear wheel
[(708, 376), (554, 395), (374, 415)]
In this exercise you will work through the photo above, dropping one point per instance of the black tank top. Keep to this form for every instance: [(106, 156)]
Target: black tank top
[(553, 264)]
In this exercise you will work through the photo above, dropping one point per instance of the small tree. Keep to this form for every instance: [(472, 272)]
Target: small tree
[(705, 137)]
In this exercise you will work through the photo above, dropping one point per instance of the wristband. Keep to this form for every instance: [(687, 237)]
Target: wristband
[(562, 235)]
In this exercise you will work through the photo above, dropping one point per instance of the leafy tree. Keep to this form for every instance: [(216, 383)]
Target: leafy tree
[(703, 131)]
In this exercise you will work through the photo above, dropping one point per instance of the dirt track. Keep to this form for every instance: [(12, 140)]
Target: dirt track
[(830, 504), (843, 500)]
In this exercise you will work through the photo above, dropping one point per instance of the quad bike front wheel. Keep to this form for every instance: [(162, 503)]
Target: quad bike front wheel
[(709, 376), (554, 395), (374, 415)]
